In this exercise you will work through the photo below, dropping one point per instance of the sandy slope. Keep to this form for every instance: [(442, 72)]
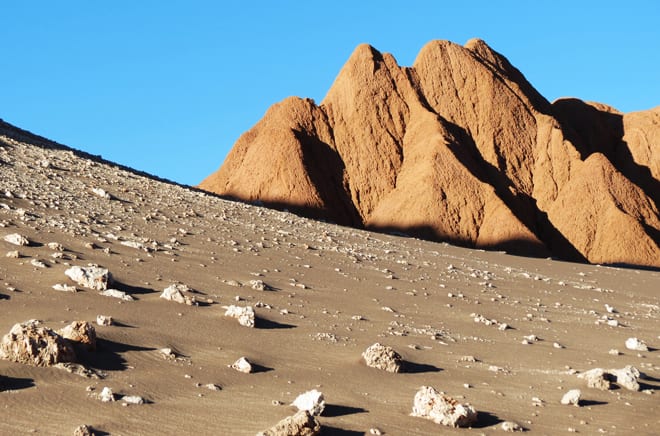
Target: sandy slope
[(323, 278)]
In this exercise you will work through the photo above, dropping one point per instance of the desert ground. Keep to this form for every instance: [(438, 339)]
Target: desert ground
[(328, 293)]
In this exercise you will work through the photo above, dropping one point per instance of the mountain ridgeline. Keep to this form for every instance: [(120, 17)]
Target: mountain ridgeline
[(459, 148)]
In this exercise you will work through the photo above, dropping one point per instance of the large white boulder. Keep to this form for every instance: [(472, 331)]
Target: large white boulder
[(91, 277), (442, 409)]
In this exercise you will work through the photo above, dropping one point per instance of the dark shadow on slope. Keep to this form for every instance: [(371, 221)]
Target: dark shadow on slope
[(587, 403), (4, 297), (335, 410), (108, 355), (267, 324), (409, 367), (335, 431), (131, 290), (596, 131), (325, 168), (486, 419), (15, 383)]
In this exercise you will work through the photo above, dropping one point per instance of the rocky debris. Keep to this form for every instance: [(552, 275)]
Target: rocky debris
[(13, 254), (442, 409), (83, 430), (81, 370), (244, 314), (17, 239), (81, 332), (511, 426), (300, 424), (310, 401), (636, 344), (572, 397), (64, 288), (31, 344), (91, 277), (178, 294), (114, 293), (55, 246), (242, 365), (137, 245), (382, 357), (38, 263), (104, 320)]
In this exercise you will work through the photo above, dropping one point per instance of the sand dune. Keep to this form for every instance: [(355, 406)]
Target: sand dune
[(329, 292)]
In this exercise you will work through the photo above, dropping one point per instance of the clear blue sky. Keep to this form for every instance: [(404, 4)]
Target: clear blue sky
[(168, 86)]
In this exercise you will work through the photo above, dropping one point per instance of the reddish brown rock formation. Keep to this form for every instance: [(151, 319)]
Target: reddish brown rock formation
[(458, 147)]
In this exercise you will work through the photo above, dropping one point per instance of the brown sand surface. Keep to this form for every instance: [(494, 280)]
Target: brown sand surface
[(335, 291)]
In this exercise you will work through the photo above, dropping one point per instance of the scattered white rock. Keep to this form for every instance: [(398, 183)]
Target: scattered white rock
[(106, 395), (83, 430), (212, 387), (132, 399), (259, 285), (244, 314), (572, 397), (104, 320), (627, 377), (55, 246), (300, 424), (14, 254), (101, 193), (81, 332), (91, 277), (137, 245), (64, 288), (242, 365), (636, 344), (597, 378), (382, 357), (31, 344), (177, 293), (442, 409), (17, 239), (511, 426), (37, 263), (114, 293), (310, 401)]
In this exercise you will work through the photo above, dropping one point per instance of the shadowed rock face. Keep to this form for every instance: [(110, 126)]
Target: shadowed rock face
[(458, 147)]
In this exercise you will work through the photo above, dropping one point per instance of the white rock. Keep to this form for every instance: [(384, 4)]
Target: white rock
[(627, 377), (300, 424), (597, 378), (311, 401), (55, 246), (104, 320), (106, 395), (511, 426), (38, 263), (636, 344), (17, 239), (14, 254), (177, 294), (114, 293), (64, 288), (132, 399), (91, 277), (242, 365), (101, 193), (259, 285), (244, 314), (382, 357), (442, 409), (572, 397), (31, 344), (136, 245)]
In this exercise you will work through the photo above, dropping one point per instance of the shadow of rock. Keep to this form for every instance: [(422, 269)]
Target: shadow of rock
[(332, 431), (4, 297), (486, 419), (131, 290), (335, 410), (418, 368), (107, 356), (256, 368), (267, 324), (587, 403), (15, 383)]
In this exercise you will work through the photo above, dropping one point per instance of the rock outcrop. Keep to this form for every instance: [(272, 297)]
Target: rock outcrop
[(32, 344), (458, 147)]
